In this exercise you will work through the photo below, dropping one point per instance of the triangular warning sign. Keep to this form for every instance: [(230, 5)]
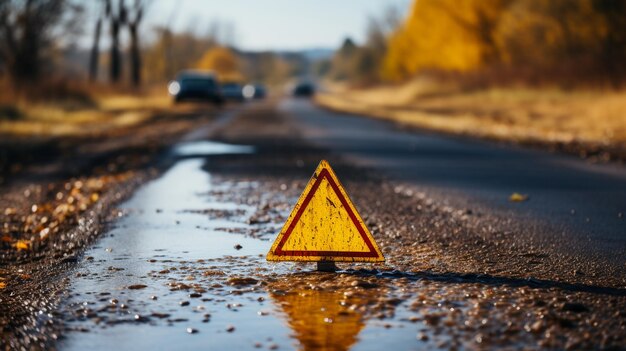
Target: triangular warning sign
[(325, 226)]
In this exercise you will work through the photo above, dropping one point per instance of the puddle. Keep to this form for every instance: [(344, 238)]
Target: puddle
[(184, 268), (183, 265), (207, 148), (168, 224)]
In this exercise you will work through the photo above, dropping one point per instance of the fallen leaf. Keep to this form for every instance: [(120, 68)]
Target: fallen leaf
[(22, 245), (517, 197), (3, 285)]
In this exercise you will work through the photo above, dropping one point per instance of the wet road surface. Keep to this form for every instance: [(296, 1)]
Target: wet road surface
[(183, 267), (181, 261)]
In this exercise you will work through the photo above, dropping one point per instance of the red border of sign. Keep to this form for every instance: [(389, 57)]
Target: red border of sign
[(325, 174)]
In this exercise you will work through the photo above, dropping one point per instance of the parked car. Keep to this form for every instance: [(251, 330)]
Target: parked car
[(195, 85), (304, 89), (232, 91), (260, 92)]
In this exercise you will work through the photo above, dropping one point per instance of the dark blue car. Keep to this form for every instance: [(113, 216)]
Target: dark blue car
[(197, 86)]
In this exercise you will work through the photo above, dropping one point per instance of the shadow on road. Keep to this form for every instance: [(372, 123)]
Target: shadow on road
[(486, 279)]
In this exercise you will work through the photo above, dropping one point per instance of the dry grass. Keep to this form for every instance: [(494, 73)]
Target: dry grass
[(513, 114), (93, 111)]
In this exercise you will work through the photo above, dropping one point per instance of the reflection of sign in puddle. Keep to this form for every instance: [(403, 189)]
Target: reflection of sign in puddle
[(321, 320)]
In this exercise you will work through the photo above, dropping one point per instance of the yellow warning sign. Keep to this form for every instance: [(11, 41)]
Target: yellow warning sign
[(325, 226)]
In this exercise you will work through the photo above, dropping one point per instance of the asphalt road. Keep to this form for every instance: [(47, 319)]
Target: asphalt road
[(184, 263), (574, 206)]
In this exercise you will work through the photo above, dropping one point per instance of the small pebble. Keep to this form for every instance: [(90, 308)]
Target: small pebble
[(230, 328), (575, 307), (184, 303), (70, 259), (137, 286), (192, 330), (140, 318)]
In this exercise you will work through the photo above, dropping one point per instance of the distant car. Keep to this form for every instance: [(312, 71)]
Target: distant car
[(232, 91), (254, 91), (260, 92), (195, 85), (304, 89)]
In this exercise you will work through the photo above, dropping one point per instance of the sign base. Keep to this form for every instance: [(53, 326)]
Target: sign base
[(326, 266)]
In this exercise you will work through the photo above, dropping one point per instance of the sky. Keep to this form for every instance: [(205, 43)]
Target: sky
[(274, 24)]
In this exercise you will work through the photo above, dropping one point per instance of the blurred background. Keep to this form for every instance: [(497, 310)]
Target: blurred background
[(527, 70)]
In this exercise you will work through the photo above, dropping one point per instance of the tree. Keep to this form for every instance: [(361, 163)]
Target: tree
[(370, 57), (445, 35), (613, 45), (94, 58), (222, 61), (117, 18), (343, 61), (29, 31), (267, 67), (172, 52), (134, 19), (561, 41)]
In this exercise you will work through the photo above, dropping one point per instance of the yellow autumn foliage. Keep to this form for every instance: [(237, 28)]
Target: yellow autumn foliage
[(542, 33), (171, 53), (539, 36), (22, 245), (443, 34), (223, 61)]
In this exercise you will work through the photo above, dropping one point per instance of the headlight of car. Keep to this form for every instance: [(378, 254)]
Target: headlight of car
[(248, 91), (173, 88)]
